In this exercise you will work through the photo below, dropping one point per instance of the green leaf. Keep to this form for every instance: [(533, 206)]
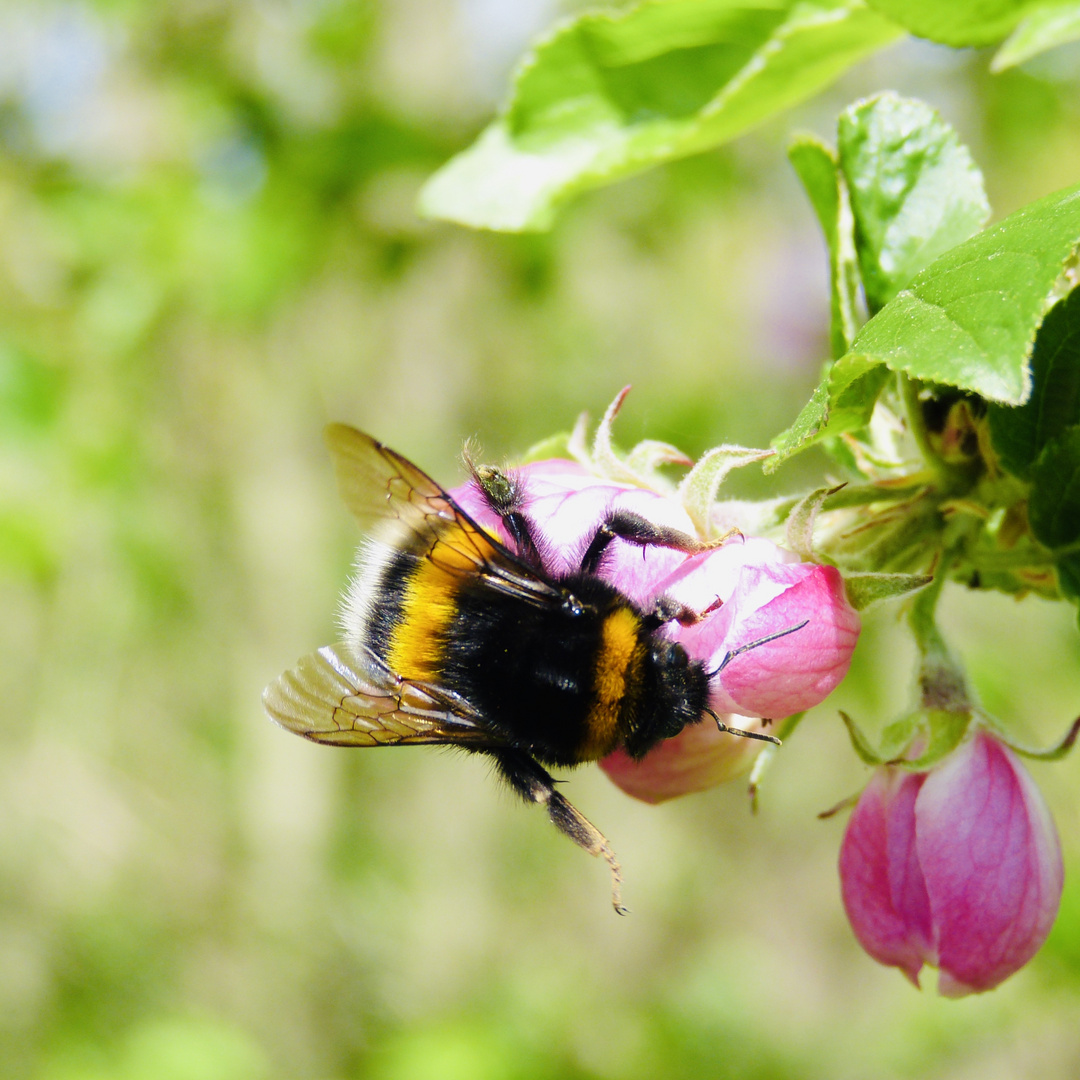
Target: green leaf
[(1054, 503), (843, 401), (819, 172), (811, 421), (969, 319), (956, 22), (915, 191), (1045, 28), (1019, 434), (612, 93), (1069, 577)]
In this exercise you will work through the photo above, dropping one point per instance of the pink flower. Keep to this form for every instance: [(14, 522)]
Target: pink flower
[(959, 867), (750, 588)]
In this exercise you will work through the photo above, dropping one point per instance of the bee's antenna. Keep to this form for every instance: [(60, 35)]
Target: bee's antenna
[(728, 657), (741, 732), (727, 660)]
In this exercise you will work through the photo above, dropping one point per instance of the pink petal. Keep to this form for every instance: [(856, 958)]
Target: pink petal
[(880, 879), (566, 505), (992, 863), (700, 580), (698, 758)]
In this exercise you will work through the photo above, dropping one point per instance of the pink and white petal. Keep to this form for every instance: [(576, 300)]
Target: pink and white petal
[(562, 501), (701, 580), (880, 879), (566, 505), (699, 758), (992, 863)]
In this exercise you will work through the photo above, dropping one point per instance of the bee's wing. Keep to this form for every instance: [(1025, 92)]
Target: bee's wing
[(348, 697), (377, 484)]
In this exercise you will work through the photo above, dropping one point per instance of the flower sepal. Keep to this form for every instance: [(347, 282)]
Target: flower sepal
[(1062, 748), (915, 742), (799, 528), (764, 760), (865, 589), (642, 466), (698, 488), (861, 743)]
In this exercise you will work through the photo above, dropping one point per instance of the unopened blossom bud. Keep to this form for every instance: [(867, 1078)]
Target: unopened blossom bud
[(765, 593), (748, 588), (959, 868)]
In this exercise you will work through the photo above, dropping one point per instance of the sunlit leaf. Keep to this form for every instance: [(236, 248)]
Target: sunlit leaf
[(609, 94), (915, 191), (1045, 28), (1054, 504), (843, 401), (969, 319), (819, 172), (956, 22)]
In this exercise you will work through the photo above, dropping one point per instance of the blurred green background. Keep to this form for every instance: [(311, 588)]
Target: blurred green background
[(207, 251)]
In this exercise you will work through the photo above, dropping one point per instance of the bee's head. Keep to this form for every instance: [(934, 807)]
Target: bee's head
[(676, 693)]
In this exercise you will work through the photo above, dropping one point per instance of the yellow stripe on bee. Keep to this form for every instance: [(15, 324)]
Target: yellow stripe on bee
[(430, 603), (618, 671)]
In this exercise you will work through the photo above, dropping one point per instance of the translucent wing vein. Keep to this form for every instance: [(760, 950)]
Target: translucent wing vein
[(378, 485), (346, 697)]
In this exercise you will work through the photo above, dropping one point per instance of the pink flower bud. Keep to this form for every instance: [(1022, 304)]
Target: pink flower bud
[(793, 672), (959, 868)]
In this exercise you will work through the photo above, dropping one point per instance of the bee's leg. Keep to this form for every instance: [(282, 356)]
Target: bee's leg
[(502, 492), (667, 609), (635, 529), (534, 784)]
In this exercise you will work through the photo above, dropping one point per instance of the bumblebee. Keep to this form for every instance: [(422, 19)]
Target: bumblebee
[(454, 638)]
